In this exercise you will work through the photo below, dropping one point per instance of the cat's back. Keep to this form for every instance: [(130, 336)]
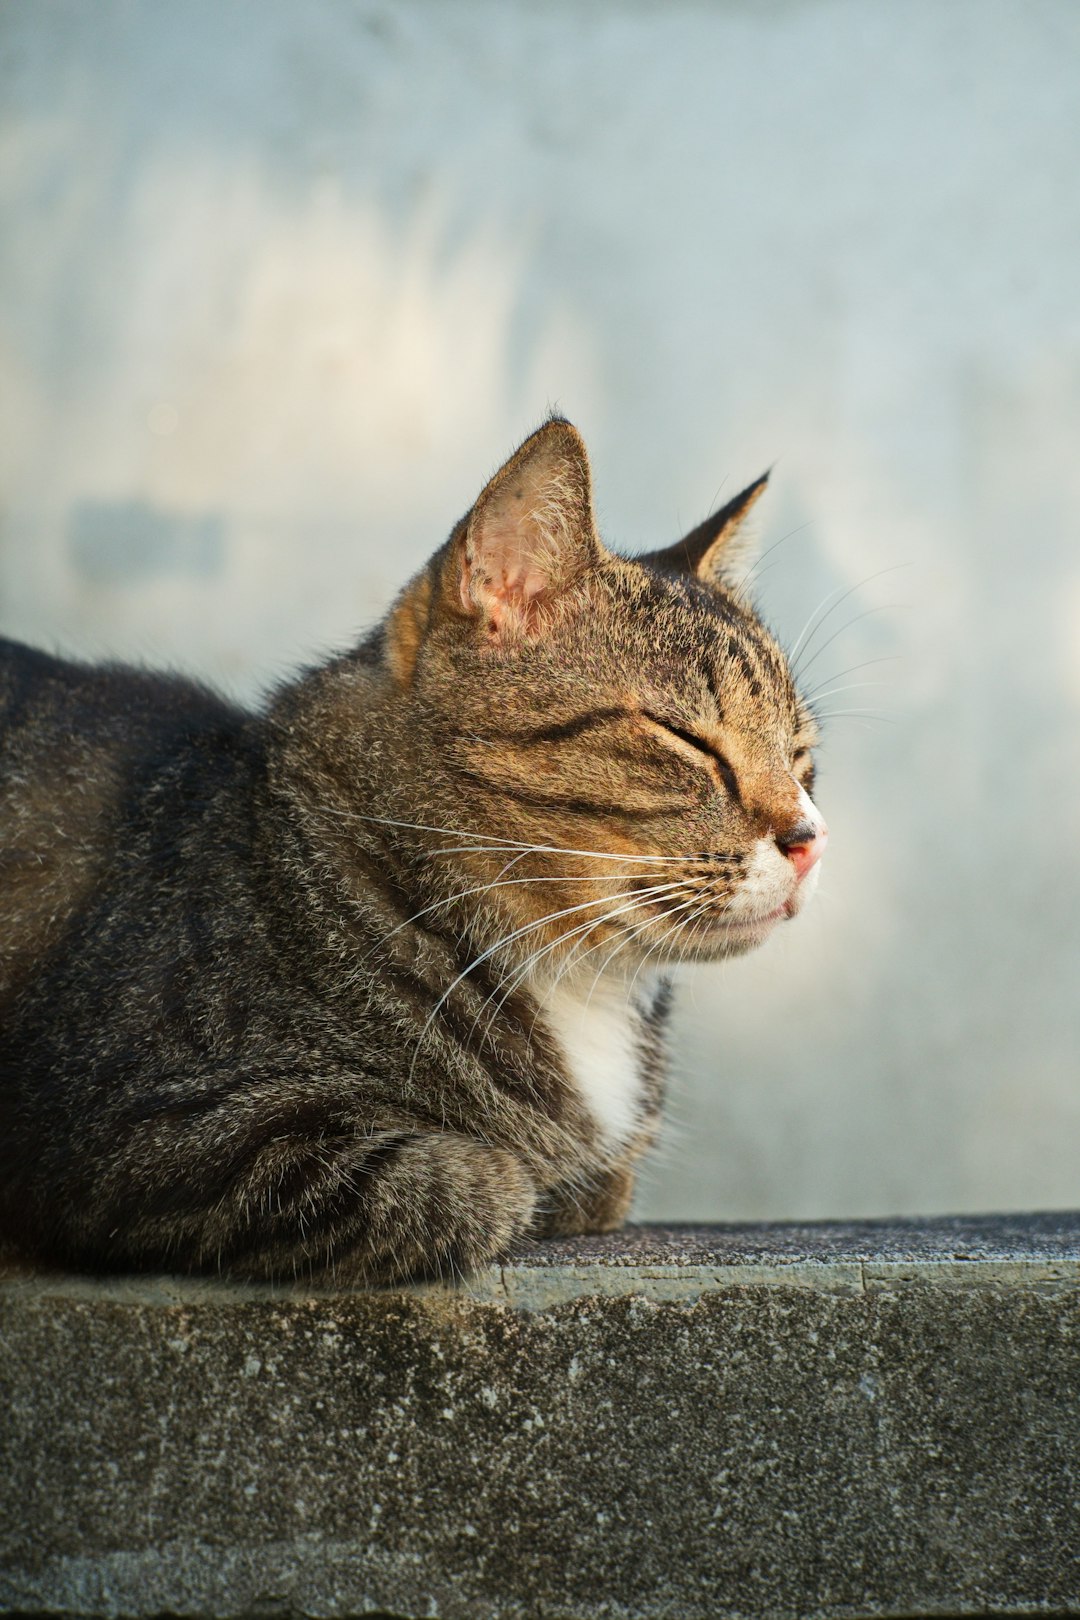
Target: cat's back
[(46, 700), (78, 743)]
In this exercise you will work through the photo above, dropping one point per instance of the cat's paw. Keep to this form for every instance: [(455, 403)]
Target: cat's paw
[(446, 1206), (602, 1206), (496, 1203)]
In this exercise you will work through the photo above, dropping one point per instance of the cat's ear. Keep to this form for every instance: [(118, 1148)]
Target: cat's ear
[(530, 538), (720, 550), (514, 559)]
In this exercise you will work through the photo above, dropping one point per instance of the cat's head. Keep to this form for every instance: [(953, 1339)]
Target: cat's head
[(615, 746)]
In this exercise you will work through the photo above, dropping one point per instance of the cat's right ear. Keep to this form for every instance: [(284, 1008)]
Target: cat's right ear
[(530, 539)]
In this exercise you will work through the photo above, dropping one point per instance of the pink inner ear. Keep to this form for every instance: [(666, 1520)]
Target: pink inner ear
[(517, 576), (530, 534), (505, 581)]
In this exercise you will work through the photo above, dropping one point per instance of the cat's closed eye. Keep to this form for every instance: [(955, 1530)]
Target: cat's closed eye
[(692, 740)]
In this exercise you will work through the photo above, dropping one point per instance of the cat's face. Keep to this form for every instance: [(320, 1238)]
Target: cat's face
[(620, 742)]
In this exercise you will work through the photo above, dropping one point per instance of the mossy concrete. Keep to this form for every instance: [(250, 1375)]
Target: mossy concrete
[(773, 1422)]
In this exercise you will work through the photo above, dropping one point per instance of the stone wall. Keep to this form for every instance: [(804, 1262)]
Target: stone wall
[(772, 1421)]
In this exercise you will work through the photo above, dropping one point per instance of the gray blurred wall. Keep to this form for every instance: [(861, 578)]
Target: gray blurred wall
[(281, 284)]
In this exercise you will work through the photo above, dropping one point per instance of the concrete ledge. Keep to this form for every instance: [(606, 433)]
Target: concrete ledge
[(881, 1419)]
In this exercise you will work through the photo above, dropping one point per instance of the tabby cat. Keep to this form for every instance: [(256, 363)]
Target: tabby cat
[(370, 984)]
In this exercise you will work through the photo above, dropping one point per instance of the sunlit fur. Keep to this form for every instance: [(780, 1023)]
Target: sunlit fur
[(327, 989)]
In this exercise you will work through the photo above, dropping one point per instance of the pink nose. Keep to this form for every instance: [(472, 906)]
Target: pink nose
[(804, 846)]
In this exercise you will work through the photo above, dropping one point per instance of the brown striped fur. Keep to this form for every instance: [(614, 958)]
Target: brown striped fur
[(275, 988)]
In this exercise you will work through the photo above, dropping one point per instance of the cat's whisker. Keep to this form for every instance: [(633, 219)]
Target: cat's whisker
[(489, 849), (573, 957), (654, 950), (577, 956), (883, 607), (696, 895), (589, 854), (502, 883), (697, 922), (683, 926), (852, 669), (796, 668), (865, 715), (851, 686), (493, 842), (425, 826), (873, 714), (489, 841), (580, 877), (696, 927), (504, 990), (649, 954), (755, 570), (537, 956), (629, 936), (575, 960), (523, 972), (793, 651), (561, 971), (570, 965), (500, 945), (633, 935)]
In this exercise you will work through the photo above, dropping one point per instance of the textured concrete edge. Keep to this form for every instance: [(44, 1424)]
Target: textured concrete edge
[(854, 1438), (193, 1580), (198, 1579), (232, 1585), (538, 1288), (533, 1288)]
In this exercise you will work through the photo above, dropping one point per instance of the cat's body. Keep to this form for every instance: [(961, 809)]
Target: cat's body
[(366, 983)]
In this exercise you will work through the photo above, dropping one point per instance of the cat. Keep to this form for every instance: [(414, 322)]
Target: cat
[(370, 984)]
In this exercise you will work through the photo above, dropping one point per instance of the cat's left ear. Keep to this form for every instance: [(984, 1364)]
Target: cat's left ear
[(531, 537), (720, 550)]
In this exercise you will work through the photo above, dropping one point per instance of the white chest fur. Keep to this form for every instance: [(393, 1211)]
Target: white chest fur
[(596, 1028)]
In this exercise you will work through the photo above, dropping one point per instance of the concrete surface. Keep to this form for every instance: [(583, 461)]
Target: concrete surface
[(680, 1422)]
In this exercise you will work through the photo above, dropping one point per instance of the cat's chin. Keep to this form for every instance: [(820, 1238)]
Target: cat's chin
[(727, 937)]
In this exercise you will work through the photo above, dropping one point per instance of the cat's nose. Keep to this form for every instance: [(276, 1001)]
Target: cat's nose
[(804, 845)]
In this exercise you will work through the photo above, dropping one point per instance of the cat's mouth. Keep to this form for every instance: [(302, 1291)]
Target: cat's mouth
[(721, 932)]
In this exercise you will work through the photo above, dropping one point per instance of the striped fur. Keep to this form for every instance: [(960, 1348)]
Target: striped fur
[(327, 989)]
